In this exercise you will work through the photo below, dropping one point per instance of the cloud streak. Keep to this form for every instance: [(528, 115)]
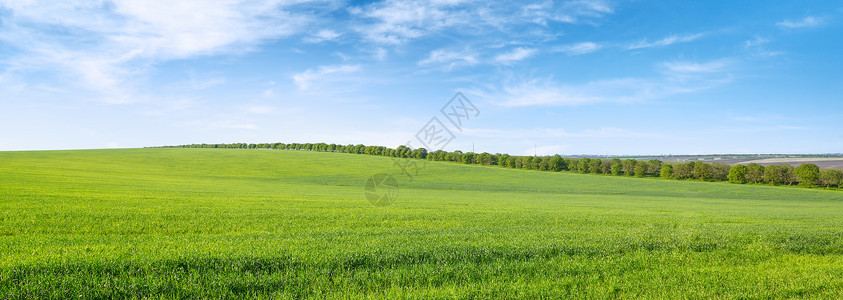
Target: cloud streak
[(803, 23), (680, 77), (667, 41), (515, 55)]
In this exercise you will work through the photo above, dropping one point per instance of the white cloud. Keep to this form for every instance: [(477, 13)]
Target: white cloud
[(306, 79), (516, 54), (322, 36), (579, 48), (756, 46), (105, 44), (450, 59), (398, 21), (805, 22), (258, 109), (677, 78), (696, 67), (566, 12), (669, 40)]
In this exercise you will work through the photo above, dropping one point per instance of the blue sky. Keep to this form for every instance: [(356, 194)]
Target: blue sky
[(568, 77)]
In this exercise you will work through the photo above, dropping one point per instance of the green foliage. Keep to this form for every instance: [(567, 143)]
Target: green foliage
[(617, 169), (629, 166), (640, 169), (808, 174), (666, 172), (216, 223), (831, 177), (738, 174), (754, 173)]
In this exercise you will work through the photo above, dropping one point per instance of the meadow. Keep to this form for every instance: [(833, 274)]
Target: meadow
[(236, 223)]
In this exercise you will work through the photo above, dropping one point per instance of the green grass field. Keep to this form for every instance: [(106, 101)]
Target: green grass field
[(188, 223)]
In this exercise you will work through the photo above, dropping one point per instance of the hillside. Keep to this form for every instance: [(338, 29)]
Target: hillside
[(263, 223)]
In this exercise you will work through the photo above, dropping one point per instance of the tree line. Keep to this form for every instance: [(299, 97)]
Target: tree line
[(784, 174)]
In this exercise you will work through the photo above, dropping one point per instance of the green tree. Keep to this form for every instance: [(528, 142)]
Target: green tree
[(544, 164), (617, 168), (607, 166), (654, 167), (640, 169), (773, 175), (596, 166), (787, 174), (555, 163), (702, 171), (582, 167), (808, 174), (720, 171), (684, 171), (666, 172), (831, 177), (629, 167), (737, 174), (754, 173)]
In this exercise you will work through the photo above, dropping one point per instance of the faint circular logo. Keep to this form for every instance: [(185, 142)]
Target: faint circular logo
[(381, 189)]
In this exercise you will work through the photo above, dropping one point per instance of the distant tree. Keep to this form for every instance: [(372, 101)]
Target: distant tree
[(582, 166), (773, 175), (702, 171), (596, 166), (738, 174), (617, 168), (607, 166), (640, 169), (629, 167), (555, 163), (808, 174), (654, 167), (544, 164), (720, 171), (503, 160), (831, 177), (787, 174), (569, 164), (536, 162), (683, 171), (754, 173), (666, 172)]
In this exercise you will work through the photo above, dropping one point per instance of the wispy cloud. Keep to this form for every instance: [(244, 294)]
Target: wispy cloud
[(322, 36), (103, 45), (578, 48), (805, 22), (756, 46), (667, 41), (686, 67), (515, 55), (306, 79), (677, 78), (450, 59), (399, 21)]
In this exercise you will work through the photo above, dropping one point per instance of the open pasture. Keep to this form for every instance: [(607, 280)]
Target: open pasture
[(295, 224)]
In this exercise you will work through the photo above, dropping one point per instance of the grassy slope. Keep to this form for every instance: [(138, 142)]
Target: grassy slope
[(206, 222)]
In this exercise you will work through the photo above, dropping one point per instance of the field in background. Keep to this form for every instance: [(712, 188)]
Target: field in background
[(215, 222), (826, 161)]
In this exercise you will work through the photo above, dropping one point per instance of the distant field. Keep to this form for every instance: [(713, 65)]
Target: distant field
[(824, 163), (215, 223)]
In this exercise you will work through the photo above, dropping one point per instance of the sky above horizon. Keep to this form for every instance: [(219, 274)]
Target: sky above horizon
[(567, 77)]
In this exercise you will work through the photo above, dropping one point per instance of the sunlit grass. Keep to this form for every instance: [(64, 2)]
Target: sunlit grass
[(260, 223)]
